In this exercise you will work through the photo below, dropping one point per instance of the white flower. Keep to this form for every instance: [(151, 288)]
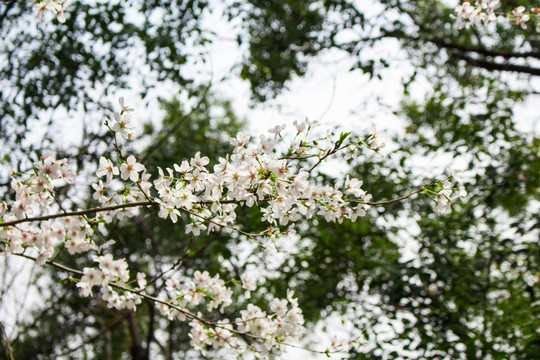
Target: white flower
[(300, 125), (106, 168), (99, 193), (276, 130), (48, 167), (352, 186), (196, 179), (183, 169), (185, 199), (93, 277), (195, 228), (240, 141), (130, 169), (41, 7), (85, 289), (249, 282), (123, 125), (443, 199), (265, 146), (123, 106), (141, 280), (482, 12), (520, 18), (169, 211), (66, 174), (462, 192), (199, 161), (279, 306), (54, 6), (20, 208)]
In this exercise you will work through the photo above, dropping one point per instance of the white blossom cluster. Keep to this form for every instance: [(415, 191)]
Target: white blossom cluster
[(137, 189), (123, 124), (55, 6), (34, 194), (283, 324), (482, 12), (110, 271), (36, 226), (520, 17), (203, 287), (254, 174)]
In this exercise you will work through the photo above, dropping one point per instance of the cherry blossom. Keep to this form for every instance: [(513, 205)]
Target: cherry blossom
[(124, 107), (520, 17), (284, 186), (482, 12), (130, 169), (106, 168), (123, 125)]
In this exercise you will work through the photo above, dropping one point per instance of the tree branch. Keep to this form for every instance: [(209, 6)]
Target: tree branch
[(136, 348), (155, 203), (491, 65), (483, 51), (79, 212)]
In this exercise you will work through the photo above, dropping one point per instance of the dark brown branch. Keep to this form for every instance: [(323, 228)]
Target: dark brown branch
[(188, 314), (137, 350), (480, 50), (493, 66), (442, 44), (156, 300), (154, 203), (460, 51), (79, 212), (151, 326)]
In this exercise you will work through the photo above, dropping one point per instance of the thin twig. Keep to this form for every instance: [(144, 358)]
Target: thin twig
[(88, 340), (177, 263)]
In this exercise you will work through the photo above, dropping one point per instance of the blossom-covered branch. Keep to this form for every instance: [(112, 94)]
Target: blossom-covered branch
[(283, 185), (482, 12)]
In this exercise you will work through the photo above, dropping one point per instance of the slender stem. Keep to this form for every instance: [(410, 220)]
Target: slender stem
[(176, 264), (385, 202), (91, 338)]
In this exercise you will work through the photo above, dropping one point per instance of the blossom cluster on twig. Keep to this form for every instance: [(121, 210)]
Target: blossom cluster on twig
[(481, 12), (283, 185)]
